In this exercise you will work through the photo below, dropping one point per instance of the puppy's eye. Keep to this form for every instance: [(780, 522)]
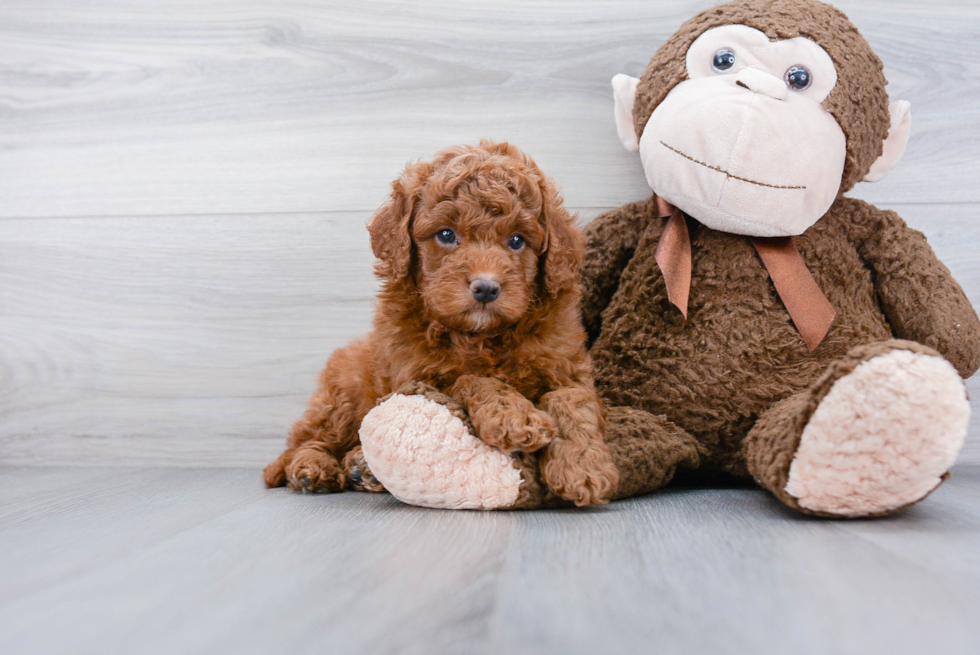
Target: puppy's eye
[(516, 242), (446, 237)]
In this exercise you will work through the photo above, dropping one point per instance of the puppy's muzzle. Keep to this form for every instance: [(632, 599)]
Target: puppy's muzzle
[(485, 290)]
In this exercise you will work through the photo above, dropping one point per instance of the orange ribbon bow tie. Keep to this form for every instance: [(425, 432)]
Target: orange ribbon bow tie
[(809, 308)]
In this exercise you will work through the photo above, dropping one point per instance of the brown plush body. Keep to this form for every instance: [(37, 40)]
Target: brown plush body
[(705, 383), (849, 427)]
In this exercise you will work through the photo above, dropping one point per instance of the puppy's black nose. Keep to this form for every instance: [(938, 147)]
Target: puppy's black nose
[(485, 291)]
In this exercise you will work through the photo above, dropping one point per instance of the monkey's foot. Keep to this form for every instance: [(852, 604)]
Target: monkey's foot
[(420, 445), (884, 435)]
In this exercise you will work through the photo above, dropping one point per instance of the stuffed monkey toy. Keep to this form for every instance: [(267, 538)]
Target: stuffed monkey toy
[(749, 318), (752, 318)]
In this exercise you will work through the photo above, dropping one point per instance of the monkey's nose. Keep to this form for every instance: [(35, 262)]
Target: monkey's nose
[(759, 81), (484, 290)]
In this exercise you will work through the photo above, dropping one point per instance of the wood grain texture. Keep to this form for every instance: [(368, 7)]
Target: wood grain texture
[(206, 561), (130, 107), (182, 341), (177, 340)]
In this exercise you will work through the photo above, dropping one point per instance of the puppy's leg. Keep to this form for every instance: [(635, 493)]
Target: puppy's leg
[(274, 474), (577, 465), (502, 416), (328, 429), (315, 469), (358, 472)]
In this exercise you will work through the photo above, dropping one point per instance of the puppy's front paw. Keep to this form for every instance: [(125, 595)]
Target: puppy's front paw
[(359, 476), (514, 425), (314, 471), (582, 473)]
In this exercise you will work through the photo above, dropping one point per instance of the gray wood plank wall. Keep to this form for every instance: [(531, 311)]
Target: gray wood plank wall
[(184, 186)]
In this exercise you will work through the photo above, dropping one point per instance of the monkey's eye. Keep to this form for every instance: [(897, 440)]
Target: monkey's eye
[(446, 237), (798, 78), (723, 60), (516, 242)]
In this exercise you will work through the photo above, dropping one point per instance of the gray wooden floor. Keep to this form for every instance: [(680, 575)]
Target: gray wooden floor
[(130, 560)]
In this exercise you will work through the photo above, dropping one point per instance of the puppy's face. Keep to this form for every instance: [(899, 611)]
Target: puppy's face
[(478, 234), (477, 251)]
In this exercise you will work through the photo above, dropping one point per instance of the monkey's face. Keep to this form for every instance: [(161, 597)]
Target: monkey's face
[(756, 114), (744, 145)]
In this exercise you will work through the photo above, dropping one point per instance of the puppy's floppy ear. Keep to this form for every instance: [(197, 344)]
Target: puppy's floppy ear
[(564, 243), (391, 225)]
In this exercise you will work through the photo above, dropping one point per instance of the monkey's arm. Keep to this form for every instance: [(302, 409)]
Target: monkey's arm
[(917, 293), (611, 239)]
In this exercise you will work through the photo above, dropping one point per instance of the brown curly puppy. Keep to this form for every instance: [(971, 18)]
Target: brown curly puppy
[(480, 299)]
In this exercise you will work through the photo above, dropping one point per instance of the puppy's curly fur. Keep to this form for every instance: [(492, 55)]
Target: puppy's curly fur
[(479, 267)]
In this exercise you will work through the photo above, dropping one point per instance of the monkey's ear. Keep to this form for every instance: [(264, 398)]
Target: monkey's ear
[(895, 142), (391, 225), (624, 93)]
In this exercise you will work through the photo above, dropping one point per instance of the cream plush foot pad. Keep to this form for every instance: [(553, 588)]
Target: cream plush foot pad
[(423, 455), (882, 437)]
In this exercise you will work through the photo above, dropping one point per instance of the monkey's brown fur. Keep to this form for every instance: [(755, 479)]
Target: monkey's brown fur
[(859, 101), (732, 388), (519, 367)]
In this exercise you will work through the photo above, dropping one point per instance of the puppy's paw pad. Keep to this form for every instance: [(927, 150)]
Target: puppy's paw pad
[(584, 476), (315, 472), (512, 428), (359, 475), (538, 430)]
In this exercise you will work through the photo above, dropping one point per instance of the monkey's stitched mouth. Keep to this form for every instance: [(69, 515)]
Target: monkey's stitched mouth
[(721, 170)]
